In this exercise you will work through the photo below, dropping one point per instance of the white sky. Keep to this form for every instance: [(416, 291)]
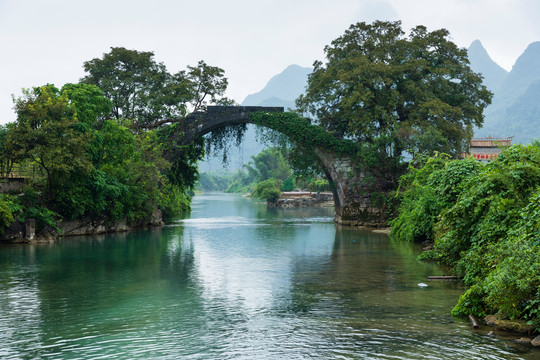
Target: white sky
[(48, 41)]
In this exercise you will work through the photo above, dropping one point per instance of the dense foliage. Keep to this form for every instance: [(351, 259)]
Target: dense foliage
[(430, 186), (142, 90), (270, 167), (300, 130), (85, 167), (48, 134), (6, 216), (396, 93), (485, 222), (267, 190), (8, 157), (101, 148), (269, 164)]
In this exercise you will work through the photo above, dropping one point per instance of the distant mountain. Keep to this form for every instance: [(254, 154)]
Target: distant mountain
[(514, 110), (281, 90), (481, 62), (522, 118), (525, 72)]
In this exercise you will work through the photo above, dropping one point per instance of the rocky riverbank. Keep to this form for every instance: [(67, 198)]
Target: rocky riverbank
[(303, 199), (22, 233), (523, 332)]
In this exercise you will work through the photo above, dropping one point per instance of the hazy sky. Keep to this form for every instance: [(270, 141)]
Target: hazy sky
[(48, 41)]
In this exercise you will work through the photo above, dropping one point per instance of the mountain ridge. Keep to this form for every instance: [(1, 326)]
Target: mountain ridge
[(494, 75), (514, 110), (283, 88)]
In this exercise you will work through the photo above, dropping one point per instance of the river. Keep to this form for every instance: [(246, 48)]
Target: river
[(235, 280)]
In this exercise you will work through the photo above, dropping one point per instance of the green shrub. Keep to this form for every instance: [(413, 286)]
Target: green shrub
[(485, 222), (6, 216), (173, 202), (430, 189), (471, 302), (267, 190), (288, 184), (319, 185)]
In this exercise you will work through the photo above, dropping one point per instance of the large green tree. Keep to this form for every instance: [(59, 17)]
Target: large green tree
[(145, 95), (139, 87), (8, 156), (269, 164), (143, 91), (394, 92), (47, 132)]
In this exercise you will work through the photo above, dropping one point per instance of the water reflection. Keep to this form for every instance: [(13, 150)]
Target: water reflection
[(235, 280), (20, 303)]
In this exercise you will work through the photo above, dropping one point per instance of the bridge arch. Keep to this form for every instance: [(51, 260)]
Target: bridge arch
[(352, 194)]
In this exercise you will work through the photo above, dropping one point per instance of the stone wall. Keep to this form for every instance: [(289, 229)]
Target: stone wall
[(17, 232), (308, 200), (11, 185), (357, 194)]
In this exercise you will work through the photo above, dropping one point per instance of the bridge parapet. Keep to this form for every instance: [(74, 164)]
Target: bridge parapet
[(203, 122)]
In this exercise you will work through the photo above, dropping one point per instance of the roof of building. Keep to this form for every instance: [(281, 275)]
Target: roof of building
[(491, 142)]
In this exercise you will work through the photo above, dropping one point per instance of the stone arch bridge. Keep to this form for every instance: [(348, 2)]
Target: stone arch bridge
[(354, 199)]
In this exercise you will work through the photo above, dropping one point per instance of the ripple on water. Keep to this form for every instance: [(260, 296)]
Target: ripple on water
[(254, 284), (220, 222)]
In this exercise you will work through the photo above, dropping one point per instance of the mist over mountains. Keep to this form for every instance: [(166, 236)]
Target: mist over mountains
[(282, 89), (494, 75), (515, 108)]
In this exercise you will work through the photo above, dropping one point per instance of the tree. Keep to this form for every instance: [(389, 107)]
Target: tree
[(208, 83), (47, 133), (269, 164), (89, 103), (136, 84), (395, 93), (142, 90), (267, 190), (8, 156)]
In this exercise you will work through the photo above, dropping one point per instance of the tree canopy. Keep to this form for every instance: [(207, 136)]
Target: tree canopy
[(47, 132), (396, 93), (143, 91), (87, 165)]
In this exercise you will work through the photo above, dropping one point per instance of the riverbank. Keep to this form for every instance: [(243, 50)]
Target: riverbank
[(303, 199), (25, 232)]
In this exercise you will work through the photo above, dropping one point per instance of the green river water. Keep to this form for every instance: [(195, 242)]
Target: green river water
[(235, 280)]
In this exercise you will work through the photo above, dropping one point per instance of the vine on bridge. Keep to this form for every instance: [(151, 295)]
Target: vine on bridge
[(301, 131), (219, 141)]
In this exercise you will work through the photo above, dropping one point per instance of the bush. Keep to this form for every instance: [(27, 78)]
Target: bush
[(6, 216), (288, 184), (430, 189), (267, 190), (319, 185), (485, 222), (173, 202)]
